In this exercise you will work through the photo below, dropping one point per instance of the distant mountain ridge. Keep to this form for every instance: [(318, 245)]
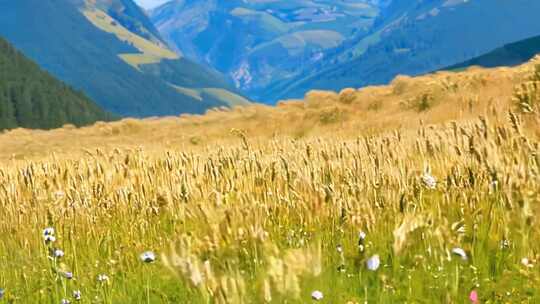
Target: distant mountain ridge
[(282, 49), (31, 98), (111, 51), (258, 43), (414, 37), (508, 55)]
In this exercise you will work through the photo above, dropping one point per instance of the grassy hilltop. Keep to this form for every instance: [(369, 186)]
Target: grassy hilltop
[(423, 191)]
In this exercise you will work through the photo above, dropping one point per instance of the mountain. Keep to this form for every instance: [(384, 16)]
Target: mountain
[(414, 37), (282, 49), (32, 98), (258, 42), (508, 55), (110, 50)]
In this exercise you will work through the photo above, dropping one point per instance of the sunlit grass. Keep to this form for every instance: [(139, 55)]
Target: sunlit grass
[(151, 52), (433, 213)]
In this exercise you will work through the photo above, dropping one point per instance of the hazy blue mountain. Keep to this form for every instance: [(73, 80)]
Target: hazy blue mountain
[(258, 42), (32, 98), (131, 16), (414, 37), (111, 51), (508, 55), (281, 49)]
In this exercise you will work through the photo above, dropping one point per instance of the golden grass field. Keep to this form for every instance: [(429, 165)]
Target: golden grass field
[(423, 191)]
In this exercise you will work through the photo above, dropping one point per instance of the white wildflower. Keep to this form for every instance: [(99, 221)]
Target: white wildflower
[(527, 263), (148, 257), (460, 252), (48, 231), (48, 235), (77, 295), (317, 295), (373, 263), (68, 275), (361, 238), (57, 253), (429, 181), (103, 278), (49, 239)]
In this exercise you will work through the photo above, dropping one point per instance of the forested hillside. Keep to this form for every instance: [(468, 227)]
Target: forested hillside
[(80, 43), (32, 98)]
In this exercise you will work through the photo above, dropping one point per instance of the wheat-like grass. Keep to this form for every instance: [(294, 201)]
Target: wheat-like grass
[(425, 213)]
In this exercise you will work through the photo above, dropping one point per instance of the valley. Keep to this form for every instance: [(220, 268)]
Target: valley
[(263, 41), (277, 50)]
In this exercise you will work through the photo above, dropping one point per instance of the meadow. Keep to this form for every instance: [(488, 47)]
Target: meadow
[(423, 191)]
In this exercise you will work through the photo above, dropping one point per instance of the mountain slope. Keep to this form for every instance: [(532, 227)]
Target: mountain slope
[(414, 37), (282, 49), (507, 55), (31, 98), (83, 44), (131, 16), (260, 42)]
